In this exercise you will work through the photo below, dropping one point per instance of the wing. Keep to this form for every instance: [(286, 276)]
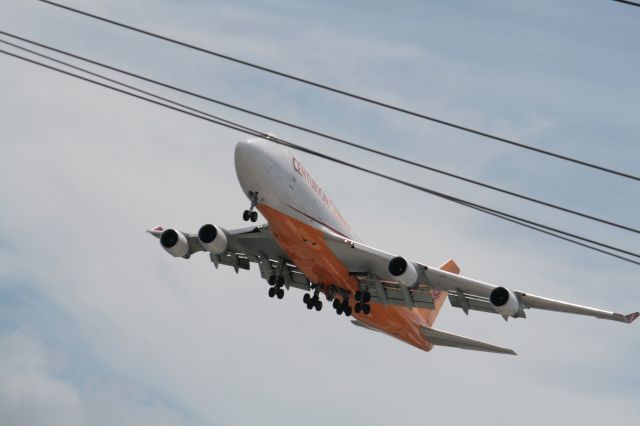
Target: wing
[(371, 266), (246, 246)]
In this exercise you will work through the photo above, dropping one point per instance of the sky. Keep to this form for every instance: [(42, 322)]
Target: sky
[(99, 326)]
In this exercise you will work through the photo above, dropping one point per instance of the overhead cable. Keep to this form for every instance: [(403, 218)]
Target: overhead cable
[(630, 3), (305, 129), (345, 92), (584, 242)]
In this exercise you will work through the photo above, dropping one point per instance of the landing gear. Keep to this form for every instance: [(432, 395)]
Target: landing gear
[(276, 284), (342, 306), (251, 214), (363, 299), (313, 301)]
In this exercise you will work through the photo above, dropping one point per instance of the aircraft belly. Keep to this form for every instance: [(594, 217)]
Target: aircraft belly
[(306, 247)]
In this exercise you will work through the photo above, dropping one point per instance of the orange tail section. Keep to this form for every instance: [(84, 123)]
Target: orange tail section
[(440, 296)]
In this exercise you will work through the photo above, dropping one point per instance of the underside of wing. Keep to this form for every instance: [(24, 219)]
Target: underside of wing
[(395, 280), (443, 338)]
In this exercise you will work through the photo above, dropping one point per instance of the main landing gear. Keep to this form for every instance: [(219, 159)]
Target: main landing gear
[(313, 301), (276, 284), (363, 299), (251, 214), (342, 306)]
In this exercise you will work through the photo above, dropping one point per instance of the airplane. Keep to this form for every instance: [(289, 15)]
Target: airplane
[(308, 245)]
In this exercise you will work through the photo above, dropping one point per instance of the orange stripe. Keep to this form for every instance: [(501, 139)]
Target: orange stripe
[(306, 247)]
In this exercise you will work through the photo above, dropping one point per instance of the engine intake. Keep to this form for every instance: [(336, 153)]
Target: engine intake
[(213, 239), (504, 301), (174, 242), (405, 272)]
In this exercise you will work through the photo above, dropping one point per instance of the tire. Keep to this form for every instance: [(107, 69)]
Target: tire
[(272, 292), (339, 310), (280, 280), (318, 305), (306, 298), (366, 297), (246, 215), (309, 305), (253, 216), (358, 308), (348, 311), (358, 295), (272, 280), (366, 309), (336, 303), (280, 293)]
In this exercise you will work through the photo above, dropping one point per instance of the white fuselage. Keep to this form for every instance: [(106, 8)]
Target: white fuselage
[(284, 184)]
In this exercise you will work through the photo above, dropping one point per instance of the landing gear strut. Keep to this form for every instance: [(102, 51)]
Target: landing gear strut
[(313, 301), (276, 284), (251, 214), (342, 306), (363, 299)]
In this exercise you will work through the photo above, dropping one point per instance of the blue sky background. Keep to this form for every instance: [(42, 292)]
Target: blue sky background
[(98, 326)]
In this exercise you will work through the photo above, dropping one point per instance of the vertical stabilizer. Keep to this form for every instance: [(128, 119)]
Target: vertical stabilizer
[(440, 296)]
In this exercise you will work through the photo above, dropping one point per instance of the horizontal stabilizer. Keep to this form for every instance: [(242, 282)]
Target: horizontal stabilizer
[(442, 338)]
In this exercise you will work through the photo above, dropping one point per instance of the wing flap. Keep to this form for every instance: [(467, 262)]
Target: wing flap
[(443, 338)]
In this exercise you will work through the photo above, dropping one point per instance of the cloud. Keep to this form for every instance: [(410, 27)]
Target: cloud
[(33, 391), (122, 332)]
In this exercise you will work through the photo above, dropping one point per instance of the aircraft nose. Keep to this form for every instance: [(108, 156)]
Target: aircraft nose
[(250, 163), (246, 155)]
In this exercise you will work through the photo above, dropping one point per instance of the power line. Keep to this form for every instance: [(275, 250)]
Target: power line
[(170, 101), (631, 3), (511, 218), (346, 93), (298, 127)]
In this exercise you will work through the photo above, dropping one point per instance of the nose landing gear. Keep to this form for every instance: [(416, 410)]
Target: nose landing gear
[(251, 214)]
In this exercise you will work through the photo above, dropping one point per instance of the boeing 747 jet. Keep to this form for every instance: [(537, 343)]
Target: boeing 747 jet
[(308, 245)]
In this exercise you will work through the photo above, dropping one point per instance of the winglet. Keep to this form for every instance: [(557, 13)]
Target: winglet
[(631, 317), (156, 231)]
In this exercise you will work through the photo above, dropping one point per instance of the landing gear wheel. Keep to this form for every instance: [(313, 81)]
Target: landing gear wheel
[(272, 280), (339, 310), (309, 305), (318, 305), (253, 216), (306, 298), (336, 304), (366, 309), (272, 292), (347, 311), (358, 308), (366, 297), (280, 280), (358, 295), (246, 215), (280, 293)]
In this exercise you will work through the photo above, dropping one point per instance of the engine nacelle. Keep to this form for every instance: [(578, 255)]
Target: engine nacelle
[(213, 239), (174, 242), (403, 271), (504, 301)]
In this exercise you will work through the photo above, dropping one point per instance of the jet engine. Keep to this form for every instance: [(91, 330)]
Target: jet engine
[(403, 271), (213, 239), (174, 242), (504, 301)]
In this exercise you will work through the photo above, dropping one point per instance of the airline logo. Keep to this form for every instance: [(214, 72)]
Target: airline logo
[(299, 168)]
